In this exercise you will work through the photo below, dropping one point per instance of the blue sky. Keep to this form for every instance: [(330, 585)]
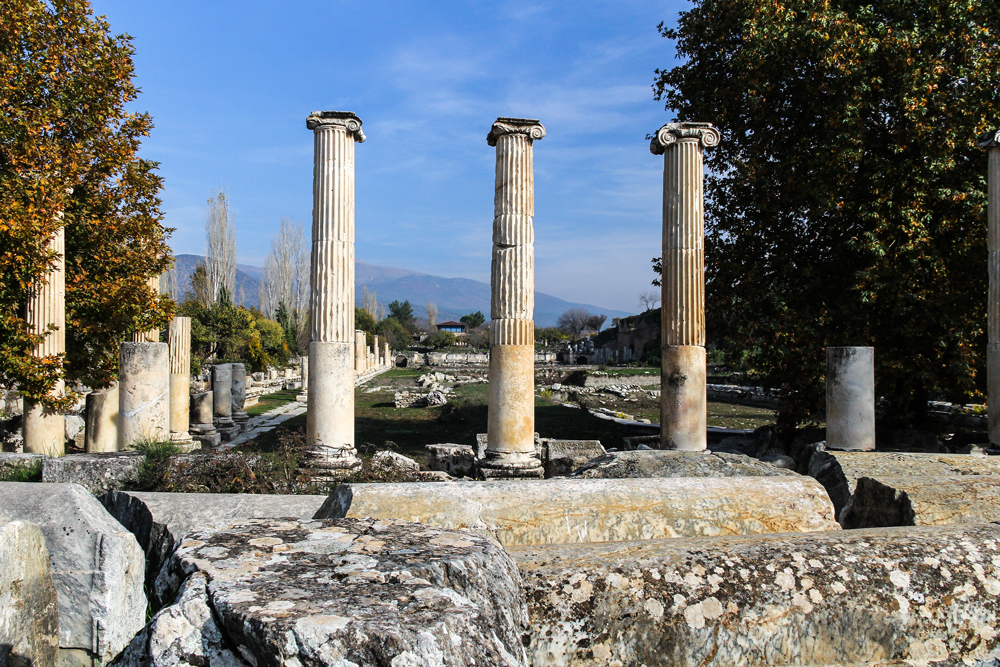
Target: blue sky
[(229, 85)]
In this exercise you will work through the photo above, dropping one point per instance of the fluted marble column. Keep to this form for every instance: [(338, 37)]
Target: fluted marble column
[(683, 400), (45, 428), (330, 417), (152, 335), (179, 342), (990, 142), (510, 450), (360, 352)]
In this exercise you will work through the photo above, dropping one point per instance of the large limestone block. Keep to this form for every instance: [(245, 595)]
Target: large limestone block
[(839, 472), (561, 457), (357, 592), (98, 473), (923, 501), (29, 606), (520, 512), (97, 567), (660, 463), (160, 520), (889, 596)]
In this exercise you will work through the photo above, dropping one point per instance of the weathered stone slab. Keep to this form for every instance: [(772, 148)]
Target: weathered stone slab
[(561, 457), (923, 501), (668, 463), (518, 512), (361, 592), (839, 472), (456, 460), (98, 472), (97, 567), (889, 596), (160, 520), (29, 606), (185, 633), (11, 461)]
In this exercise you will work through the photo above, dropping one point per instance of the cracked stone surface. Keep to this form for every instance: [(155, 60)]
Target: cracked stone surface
[(356, 592), (661, 463), (564, 510), (889, 596), (839, 472), (923, 501), (29, 606)]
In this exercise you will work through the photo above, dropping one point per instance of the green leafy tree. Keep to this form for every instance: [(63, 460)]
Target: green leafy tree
[(846, 201), (437, 340), (289, 319), (392, 331), (473, 320), (403, 313), (549, 335), (68, 159)]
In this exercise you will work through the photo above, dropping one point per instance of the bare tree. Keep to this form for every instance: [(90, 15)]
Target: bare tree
[(221, 258), (432, 314), (369, 302), (649, 300), (168, 283), (573, 321), (285, 279), (595, 322)]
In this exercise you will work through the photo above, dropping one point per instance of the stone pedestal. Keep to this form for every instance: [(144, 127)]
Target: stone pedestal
[(179, 341), (330, 417), (143, 394), (102, 420), (44, 428), (850, 398), (222, 401), (239, 393), (303, 396), (990, 142), (511, 419), (202, 413), (683, 398)]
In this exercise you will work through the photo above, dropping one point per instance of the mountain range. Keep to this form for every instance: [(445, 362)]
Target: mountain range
[(453, 297)]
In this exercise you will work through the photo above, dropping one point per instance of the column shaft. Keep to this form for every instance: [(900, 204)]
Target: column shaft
[(44, 428), (993, 308), (179, 343), (143, 393), (850, 398), (683, 401), (151, 335), (510, 430), (330, 392)]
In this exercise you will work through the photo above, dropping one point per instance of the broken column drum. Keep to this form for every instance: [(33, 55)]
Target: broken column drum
[(683, 398), (990, 142), (102, 420), (330, 418), (222, 394), (360, 352), (179, 342), (850, 398), (45, 428), (143, 393), (239, 395), (510, 428)]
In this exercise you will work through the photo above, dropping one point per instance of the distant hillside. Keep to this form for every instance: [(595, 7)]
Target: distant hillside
[(454, 297)]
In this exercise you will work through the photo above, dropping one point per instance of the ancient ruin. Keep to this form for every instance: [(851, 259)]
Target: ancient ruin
[(44, 427), (990, 142), (330, 421), (179, 340), (511, 450), (850, 398), (683, 399)]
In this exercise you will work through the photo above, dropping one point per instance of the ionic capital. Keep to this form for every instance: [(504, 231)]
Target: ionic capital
[(345, 119), (989, 140), (705, 133), (527, 126)]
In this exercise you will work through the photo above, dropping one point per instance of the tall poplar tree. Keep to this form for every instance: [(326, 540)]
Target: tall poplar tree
[(68, 158), (846, 201)]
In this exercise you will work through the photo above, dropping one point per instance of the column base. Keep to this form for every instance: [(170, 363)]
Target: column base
[(183, 441), (683, 399), (241, 419), (44, 430), (503, 465), (330, 464), (205, 434)]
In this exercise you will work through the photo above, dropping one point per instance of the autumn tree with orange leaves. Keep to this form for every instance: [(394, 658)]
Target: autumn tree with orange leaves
[(68, 158), (846, 202)]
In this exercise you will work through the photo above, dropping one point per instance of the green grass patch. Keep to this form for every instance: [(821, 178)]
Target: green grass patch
[(268, 402), (22, 473)]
